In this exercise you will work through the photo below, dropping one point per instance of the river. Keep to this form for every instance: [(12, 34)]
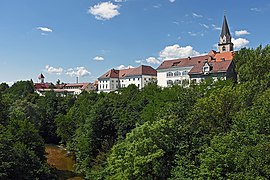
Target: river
[(61, 159)]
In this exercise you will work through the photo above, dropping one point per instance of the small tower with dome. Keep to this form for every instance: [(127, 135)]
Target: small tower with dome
[(41, 78)]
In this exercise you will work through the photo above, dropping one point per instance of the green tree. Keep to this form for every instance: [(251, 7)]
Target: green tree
[(3, 87), (146, 153), (21, 88), (3, 112)]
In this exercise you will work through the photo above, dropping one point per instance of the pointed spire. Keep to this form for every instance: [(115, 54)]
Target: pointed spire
[(225, 28), (41, 76)]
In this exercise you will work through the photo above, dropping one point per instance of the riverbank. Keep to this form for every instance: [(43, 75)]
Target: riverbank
[(62, 161)]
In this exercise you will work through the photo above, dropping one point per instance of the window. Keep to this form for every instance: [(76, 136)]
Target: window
[(138, 79), (106, 86), (103, 86), (194, 81), (177, 73), (185, 73), (129, 79), (169, 82), (145, 79), (138, 85), (112, 86), (169, 74), (112, 80), (206, 69), (223, 48), (177, 81), (133, 79)]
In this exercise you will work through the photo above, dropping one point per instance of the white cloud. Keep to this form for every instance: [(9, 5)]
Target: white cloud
[(256, 9), (139, 61), (175, 51), (53, 70), (118, 1), (196, 34), (216, 27), (123, 67), (241, 32), (239, 43), (153, 60), (98, 58), (44, 29), (157, 6), (78, 72), (104, 10), (172, 1), (197, 15), (205, 26)]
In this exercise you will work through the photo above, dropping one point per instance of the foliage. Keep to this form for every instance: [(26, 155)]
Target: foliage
[(214, 130)]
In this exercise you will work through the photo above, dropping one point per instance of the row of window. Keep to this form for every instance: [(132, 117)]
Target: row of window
[(105, 86), (177, 73), (178, 81), (105, 81)]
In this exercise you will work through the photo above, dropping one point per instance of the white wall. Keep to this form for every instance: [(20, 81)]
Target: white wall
[(162, 77), (112, 84)]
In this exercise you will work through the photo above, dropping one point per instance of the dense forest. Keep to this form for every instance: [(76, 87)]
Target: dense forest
[(214, 130)]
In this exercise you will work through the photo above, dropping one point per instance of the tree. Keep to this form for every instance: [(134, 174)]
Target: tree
[(3, 87), (146, 153), (3, 112), (19, 156), (21, 88), (77, 113)]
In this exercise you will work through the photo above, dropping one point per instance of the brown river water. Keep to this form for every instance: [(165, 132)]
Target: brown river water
[(63, 161)]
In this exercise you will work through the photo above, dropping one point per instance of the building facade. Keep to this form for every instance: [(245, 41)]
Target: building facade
[(216, 65), (63, 89), (115, 79)]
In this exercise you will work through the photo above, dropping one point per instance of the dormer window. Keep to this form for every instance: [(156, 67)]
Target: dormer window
[(206, 69), (223, 48)]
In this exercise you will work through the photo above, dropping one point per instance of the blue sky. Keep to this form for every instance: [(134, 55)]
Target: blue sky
[(67, 38)]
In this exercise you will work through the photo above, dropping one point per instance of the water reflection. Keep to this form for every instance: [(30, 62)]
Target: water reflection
[(63, 162)]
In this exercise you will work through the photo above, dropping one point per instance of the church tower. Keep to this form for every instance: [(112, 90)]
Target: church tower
[(225, 40), (41, 78)]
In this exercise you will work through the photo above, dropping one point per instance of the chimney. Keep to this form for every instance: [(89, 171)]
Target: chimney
[(77, 79)]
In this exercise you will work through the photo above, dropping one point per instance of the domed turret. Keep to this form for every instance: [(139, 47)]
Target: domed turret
[(41, 78)]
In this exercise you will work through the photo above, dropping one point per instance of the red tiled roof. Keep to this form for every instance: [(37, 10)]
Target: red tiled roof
[(219, 61), (184, 62), (217, 67), (78, 85), (224, 56), (42, 85), (142, 70)]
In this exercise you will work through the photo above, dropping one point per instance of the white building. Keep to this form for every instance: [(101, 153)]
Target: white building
[(213, 65), (63, 89), (77, 88), (115, 79)]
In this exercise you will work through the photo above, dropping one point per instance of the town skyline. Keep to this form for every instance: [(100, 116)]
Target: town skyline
[(67, 39)]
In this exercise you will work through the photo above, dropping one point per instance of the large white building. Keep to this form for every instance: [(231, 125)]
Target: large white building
[(115, 79), (195, 69)]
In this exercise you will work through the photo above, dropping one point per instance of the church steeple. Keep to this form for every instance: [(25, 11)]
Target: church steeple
[(225, 40)]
